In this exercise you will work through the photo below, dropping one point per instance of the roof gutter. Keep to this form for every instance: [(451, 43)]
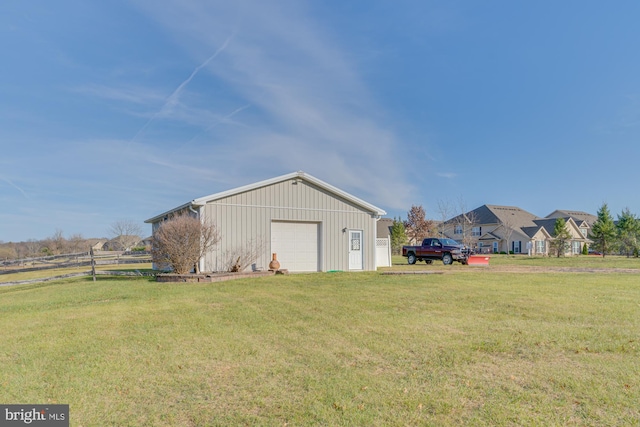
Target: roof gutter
[(188, 205)]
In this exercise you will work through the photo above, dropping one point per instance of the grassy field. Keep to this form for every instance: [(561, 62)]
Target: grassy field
[(523, 261), (470, 347)]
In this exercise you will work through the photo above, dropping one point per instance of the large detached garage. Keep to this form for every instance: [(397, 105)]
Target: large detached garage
[(309, 224)]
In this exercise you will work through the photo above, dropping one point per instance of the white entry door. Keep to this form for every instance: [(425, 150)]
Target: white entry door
[(355, 250)]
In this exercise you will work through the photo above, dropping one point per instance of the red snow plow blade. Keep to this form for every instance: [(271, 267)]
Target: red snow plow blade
[(478, 260)]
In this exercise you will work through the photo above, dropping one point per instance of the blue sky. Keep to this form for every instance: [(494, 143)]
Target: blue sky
[(124, 109)]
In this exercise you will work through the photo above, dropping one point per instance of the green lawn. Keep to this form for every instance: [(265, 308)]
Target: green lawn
[(469, 347), (516, 261)]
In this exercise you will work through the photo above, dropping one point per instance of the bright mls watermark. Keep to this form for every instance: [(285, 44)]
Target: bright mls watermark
[(34, 415)]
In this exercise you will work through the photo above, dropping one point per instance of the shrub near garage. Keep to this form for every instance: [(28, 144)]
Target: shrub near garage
[(180, 242)]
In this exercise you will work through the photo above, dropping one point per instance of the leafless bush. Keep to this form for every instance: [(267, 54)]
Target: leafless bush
[(239, 258), (180, 242)]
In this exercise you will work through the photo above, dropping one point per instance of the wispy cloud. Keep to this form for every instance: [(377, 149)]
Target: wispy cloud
[(448, 175), (218, 121), (311, 109), (136, 95)]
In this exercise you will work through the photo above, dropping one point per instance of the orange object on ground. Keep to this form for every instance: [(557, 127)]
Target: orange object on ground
[(478, 260)]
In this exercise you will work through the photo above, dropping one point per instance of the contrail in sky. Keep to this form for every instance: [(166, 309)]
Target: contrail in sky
[(222, 120), (15, 186), (172, 99), (176, 93), (227, 117)]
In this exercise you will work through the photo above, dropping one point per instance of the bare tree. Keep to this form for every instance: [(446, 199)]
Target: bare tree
[(181, 241), (30, 248), (21, 250), (444, 210), (240, 258), (508, 225), (417, 225), (76, 243), (56, 244), (465, 221), (126, 233), (7, 252)]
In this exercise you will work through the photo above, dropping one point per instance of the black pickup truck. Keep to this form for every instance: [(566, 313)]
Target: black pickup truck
[(446, 250)]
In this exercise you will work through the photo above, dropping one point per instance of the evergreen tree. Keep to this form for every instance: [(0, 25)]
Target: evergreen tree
[(585, 249), (398, 236), (628, 229), (561, 238), (603, 232)]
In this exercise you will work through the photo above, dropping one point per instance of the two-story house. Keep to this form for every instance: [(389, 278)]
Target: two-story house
[(494, 229)]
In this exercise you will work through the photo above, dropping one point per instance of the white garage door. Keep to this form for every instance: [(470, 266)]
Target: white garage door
[(296, 244)]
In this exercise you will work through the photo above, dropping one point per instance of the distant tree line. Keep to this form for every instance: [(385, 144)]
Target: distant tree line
[(56, 244), (124, 234), (616, 237)]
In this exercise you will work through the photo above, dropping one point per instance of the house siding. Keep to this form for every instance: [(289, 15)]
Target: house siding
[(248, 215)]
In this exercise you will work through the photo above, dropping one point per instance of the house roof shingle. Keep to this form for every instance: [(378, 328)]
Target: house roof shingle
[(577, 216), (513, 215), (383, 227), (496, 214)]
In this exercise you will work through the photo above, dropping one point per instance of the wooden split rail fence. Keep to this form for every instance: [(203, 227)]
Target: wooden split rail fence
[(76, 260)]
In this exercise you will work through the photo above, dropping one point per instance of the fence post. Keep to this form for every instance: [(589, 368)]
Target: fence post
[(93, 265)]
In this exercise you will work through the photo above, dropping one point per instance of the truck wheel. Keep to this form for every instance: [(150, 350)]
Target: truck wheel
[(447, 259), (411, 258)]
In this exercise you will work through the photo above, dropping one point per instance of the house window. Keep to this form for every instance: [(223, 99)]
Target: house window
[(575, 247), (475, 231), (355, 241), (584, 232), (541, 247), (495, 247), (457, 229), (515, 246)]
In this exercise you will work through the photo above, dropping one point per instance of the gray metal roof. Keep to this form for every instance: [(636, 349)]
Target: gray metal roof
[(374, 210)]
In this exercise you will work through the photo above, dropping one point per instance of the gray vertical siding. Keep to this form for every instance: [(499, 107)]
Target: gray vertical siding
[(248, 215)]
